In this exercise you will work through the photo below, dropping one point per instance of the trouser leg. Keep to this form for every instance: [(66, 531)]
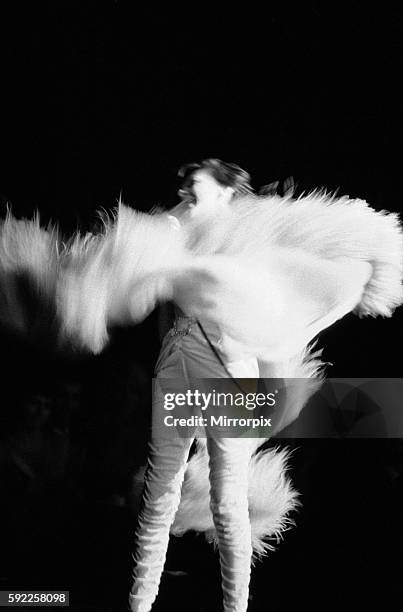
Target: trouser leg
[(229, 464), (164, 477)]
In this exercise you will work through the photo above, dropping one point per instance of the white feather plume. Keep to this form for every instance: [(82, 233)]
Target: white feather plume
[(271, 499)]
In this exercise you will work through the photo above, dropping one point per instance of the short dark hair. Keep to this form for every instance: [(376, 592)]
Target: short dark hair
[(226, 174)]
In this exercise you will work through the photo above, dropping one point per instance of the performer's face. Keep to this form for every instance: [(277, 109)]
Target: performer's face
[(207, 190)]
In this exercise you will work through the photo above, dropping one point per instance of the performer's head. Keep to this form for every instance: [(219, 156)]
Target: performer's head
[(212, 182)]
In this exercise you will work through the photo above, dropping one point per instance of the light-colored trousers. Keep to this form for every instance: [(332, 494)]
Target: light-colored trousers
[(187, 357)]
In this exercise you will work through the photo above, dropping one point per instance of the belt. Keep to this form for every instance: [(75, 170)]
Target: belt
[(182, 326)]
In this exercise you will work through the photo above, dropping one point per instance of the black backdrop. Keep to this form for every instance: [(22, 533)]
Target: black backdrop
[(102, 99)]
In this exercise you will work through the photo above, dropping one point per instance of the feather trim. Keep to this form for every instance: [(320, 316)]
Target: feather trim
[(326, 226), (118, 276), (29, 268), (271, 499)]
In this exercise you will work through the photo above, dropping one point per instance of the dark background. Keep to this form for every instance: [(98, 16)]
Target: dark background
[(102, 99)]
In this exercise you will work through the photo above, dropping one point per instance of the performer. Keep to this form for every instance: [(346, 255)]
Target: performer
[(186, 355)]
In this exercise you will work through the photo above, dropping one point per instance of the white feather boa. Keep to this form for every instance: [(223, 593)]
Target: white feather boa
[(271, 272)]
